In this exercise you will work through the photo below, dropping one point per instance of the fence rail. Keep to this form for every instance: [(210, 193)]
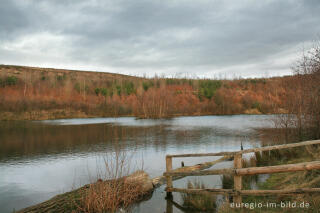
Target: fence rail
[(246, 192), (265, 148), (252, 170), (238, 172)]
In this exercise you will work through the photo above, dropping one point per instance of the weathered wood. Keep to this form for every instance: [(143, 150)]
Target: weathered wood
[(201, 173), (283, 146), (252, 170), (246, 192), (68, 202), (278, 169), (140, 178), (284, 191), (169, 178), (202, 154), (169, 208), (238, 172), (267, 148), (158, 181), (201, 191), (237, 179)]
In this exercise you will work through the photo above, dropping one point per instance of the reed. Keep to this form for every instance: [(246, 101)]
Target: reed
[(198, 202)]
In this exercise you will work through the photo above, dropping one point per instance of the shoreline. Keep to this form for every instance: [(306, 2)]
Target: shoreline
[(70, 114), (68, 200)]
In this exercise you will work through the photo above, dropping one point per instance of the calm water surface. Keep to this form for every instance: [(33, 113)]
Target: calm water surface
[(39, 159)]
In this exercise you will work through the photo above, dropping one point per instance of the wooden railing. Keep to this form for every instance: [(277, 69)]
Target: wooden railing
[(238, 172)]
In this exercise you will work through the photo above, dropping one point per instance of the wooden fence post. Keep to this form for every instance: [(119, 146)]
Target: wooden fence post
[(169, 178), (237, 178), (169, 208)]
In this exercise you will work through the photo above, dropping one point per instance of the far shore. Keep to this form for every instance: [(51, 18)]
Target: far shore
[(69, 114)]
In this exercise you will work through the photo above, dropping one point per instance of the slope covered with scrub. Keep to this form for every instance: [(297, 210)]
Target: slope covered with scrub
[(43, 93)]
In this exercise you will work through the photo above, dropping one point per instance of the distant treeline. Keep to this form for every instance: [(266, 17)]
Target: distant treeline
[(39, 93)]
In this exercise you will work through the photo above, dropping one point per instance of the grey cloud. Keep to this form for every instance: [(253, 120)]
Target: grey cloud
[(200, 37), (12, 19)]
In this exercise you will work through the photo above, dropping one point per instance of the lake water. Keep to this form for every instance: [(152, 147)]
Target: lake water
[(39, 159)]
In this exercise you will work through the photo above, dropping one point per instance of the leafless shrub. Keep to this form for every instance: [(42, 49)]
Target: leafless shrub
[(303, 99)]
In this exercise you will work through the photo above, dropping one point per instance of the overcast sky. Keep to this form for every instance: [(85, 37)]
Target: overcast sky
[(168, 37)]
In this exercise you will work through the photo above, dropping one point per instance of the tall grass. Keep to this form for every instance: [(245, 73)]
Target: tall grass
[(199, 202)]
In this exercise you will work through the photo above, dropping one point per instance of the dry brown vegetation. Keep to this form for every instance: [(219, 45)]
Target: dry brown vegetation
[(99, 197), (41, 93), (303, 101), (110, 190), (120, 189), (301, 123), (198, 202), (109, 196)]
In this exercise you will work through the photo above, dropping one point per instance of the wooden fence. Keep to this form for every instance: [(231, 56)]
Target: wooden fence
[(238, 172)]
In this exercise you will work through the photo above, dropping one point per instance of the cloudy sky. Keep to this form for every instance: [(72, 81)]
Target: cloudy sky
[(169, 37)]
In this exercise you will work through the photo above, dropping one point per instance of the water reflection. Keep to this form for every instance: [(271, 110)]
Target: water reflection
[(41, 159), (31, 141)]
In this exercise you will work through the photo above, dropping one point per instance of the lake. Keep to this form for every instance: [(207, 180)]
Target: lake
[(40, 159)]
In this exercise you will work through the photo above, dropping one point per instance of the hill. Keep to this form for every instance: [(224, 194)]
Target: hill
[(46, 93)]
